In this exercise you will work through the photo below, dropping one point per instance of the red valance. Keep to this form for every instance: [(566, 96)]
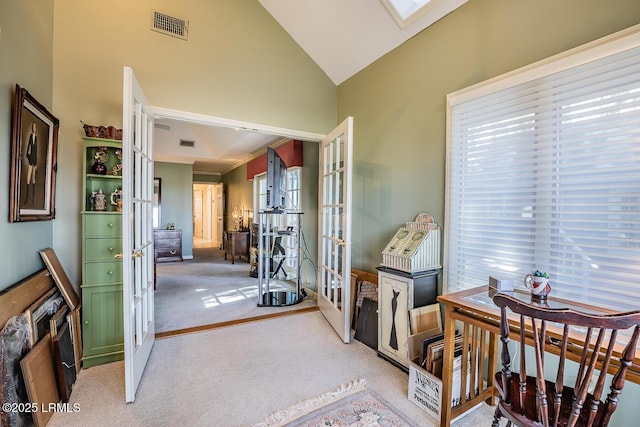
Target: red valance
[(291, 154)]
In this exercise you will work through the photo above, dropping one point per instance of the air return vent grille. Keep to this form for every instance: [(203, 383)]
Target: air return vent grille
[(186, 143), (170, 25)]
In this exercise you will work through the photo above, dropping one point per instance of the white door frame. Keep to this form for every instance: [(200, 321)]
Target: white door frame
[(203, 119)]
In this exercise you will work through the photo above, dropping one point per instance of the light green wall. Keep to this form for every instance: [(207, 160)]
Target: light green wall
[(398, 102), (26, 49), (399, 107), (238, 63), (238, 193), (176, 200), (203, 178)]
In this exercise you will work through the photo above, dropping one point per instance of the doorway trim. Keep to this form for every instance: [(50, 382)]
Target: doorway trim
[(211, 211), (168, 113)]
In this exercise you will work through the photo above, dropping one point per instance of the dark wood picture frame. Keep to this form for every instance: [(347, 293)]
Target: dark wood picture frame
[(34, 156), (60, 277)]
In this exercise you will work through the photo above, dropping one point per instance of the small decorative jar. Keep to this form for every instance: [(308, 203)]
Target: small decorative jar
[(99, 168), (100, 201)]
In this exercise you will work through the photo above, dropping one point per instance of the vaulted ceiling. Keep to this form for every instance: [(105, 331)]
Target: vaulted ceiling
[(343, 37)]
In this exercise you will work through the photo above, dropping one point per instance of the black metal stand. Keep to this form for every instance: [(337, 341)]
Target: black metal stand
[(269, 248), (279, 299)]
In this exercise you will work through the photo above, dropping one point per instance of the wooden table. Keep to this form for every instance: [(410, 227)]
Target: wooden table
[(236, 244), (478, 320)]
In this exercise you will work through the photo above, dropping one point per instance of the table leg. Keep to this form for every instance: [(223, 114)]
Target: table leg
[(447, 365)]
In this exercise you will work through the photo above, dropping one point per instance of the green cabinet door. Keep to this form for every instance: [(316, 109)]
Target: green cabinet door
[(102, 273), (102, 324), (102, 225), (102, 249)]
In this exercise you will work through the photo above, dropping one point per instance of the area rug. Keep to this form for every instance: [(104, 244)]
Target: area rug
[(351, 404)]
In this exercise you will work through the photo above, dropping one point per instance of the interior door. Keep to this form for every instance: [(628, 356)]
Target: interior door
[(207, 208), (137, 235), (334, 251), (197, 213)]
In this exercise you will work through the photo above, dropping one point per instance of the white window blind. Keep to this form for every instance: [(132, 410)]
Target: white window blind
[(544, 174)]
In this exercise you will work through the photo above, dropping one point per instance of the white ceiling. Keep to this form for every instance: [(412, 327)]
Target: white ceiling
[(341, 36), (216, 149)]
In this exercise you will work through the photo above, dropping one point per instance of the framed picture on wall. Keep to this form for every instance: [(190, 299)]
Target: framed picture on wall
[(34, 147)]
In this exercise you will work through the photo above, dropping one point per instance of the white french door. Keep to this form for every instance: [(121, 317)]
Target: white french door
[(137, 237), (334, 243)]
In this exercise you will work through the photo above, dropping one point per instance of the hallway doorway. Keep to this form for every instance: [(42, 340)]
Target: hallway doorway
[(207, 215)]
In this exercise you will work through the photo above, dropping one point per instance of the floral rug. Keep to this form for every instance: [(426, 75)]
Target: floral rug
[(351, 405)]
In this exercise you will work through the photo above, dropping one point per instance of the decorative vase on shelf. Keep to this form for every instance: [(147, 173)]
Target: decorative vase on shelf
[(100, 158), (99, 168)]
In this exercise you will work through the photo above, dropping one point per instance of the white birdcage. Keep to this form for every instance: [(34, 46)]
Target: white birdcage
[(415, 247)]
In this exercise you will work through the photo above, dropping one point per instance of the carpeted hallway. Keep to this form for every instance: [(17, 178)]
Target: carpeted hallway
[(206, 290)]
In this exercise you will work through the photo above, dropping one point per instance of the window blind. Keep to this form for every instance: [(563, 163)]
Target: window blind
[(544, 174)]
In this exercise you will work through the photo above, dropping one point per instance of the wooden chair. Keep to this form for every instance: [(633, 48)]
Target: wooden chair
[(532, 400)]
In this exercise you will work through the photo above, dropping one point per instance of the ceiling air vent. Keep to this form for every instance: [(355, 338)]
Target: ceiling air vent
[(170, 25), (186, 143), (161, 126)]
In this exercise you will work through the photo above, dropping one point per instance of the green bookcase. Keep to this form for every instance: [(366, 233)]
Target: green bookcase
[(102, 315)]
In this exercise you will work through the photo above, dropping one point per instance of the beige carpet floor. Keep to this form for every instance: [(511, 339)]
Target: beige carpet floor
[(209, 289), (238, 375)]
